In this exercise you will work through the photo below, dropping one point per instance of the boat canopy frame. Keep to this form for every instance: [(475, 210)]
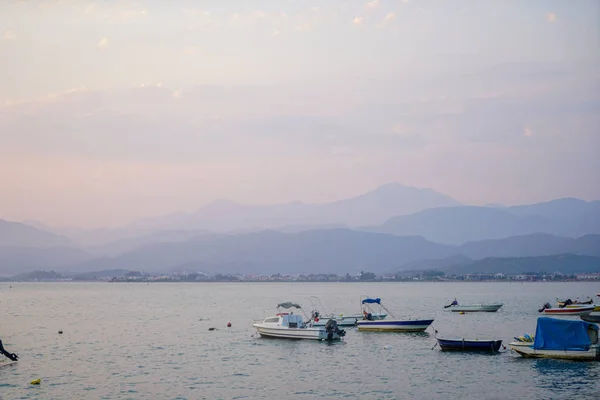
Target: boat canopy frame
[(365, 302)]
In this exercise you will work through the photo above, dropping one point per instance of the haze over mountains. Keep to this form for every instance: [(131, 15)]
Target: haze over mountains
[(371, 208), (393, 227)]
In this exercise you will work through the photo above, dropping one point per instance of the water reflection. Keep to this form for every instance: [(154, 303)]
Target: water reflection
[(561, 376)]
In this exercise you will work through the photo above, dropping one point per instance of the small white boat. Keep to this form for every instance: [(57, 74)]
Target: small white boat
[(292, 326), (455, 307), (389, 325), (563, 339)]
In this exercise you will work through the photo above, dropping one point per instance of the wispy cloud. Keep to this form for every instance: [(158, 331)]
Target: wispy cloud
[(9, 35), (306, 26), (120, 12), (276, 33), (198, 18), (527, 132), (373, 4), (190, 51), (103, 43), (389, 18), (551, 17), (358, 20)]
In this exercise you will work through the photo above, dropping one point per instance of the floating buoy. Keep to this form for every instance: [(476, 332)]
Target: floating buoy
[(60, 332), (461, 313), (37, 381), (229, 324)]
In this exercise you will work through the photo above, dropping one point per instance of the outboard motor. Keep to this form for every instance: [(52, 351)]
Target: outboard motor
[(11, 356), (544, 307), (331, 327)]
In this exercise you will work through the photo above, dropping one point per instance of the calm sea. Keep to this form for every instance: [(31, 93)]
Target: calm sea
[(138, 341)]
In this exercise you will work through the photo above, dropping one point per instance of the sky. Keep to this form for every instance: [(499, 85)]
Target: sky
[(116, 110)]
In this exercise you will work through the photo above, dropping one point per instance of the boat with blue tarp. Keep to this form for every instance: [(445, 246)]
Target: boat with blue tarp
[(564, 339), (388, 325)]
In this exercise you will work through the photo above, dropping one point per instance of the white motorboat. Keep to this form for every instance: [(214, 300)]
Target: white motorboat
[(292, 326), (455, 307), (563, 339)]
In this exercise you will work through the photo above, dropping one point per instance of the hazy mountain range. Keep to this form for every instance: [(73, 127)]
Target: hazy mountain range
[(562, 217), (374, 207), (393, 227)]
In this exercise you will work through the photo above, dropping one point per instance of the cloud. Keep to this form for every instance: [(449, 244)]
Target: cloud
[(276, 33), (527, 132), (304, 27), (259, 15), (373, 4), (358, 20), (102, 44), (199, 18), (551, 17), (121, 12), (9, 35), (190, 51), (389, 18)]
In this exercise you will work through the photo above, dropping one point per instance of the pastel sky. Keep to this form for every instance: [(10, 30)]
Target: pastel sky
[(114, 110)]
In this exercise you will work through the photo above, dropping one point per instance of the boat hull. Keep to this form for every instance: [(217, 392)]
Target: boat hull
[(596, 306), (374, 317), (469, 345), (294, 333), (349, 320), (341, 321), (590, 318), (577, 310), (527, 351), (394, 325), (476, 308)]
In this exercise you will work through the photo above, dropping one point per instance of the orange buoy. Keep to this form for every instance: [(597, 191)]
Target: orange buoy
[(229, 324)]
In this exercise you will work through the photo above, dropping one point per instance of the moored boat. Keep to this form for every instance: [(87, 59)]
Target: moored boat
[(8, 357), (455, 307), (568, 302), (596, 306), (292, 326), (572, 310), (389, 325), (469, 345), (320, 316), (563, 339), (595, 318)]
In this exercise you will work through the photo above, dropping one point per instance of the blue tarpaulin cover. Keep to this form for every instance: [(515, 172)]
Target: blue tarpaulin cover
[(560, 334), (377, 300)]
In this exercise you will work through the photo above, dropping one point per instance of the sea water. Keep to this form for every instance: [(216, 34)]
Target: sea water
[(152, 341)]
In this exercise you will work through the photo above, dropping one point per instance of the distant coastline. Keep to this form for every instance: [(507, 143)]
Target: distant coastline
[(124, 276)]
